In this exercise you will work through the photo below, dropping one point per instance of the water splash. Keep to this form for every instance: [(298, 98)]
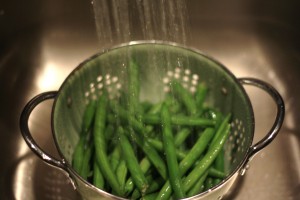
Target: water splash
[(119, 21)]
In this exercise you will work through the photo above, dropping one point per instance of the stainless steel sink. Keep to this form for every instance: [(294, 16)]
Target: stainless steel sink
[(42, 41)]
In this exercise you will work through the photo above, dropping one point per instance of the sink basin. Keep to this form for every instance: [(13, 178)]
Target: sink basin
[(43, 41)]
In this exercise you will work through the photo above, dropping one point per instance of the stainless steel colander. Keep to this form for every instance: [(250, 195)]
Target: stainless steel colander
[(159, 62)]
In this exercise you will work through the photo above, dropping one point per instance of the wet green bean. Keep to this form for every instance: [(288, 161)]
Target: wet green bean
[(170, 152)]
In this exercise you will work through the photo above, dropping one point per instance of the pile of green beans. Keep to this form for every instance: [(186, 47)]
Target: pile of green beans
[(171, 149)]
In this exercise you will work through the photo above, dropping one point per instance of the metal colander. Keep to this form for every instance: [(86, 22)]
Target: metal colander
[(159, 63)]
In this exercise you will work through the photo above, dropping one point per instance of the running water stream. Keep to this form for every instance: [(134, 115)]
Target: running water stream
[(119, 21)]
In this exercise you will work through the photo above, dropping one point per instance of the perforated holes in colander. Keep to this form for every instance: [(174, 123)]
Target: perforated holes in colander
[(110, 83), (235, 146), (184, 76)]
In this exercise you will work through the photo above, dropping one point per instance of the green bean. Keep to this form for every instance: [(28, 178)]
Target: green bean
[(221, 129), (122, 173), (198, 148), (151, 196), (169, 149), (173, 104), (127, 117), (207, 160), (98, 179), (154, 186), (219, 165), (198, 187), (145, 165), (216, 181), (165, 192), (133, 87), (213, 172), (85, 169), (219, 162), (114, 158), (138, 127), (146, 105), (87, 120), (179, 120), (200, 96), (136, 173), (185, 96), (192, 121), (109, 132), (181, 136), (155, 109), (88, 116), (78, 155), (208, 183), (159, 146), (151, 153), (100, 145)]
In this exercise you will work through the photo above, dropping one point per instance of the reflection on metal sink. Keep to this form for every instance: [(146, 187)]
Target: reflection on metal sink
[(42, 41)]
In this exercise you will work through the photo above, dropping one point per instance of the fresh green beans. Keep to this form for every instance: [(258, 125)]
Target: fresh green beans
[(87, 121), (133, 87), (189, 160), (157, 144), (196, 150), (152, 154), (78, 155), (213, 172), (181, 136), (180, 120), (198, 187), (132, 163), (200, 96), (223, 126), (98, 179), (114, 158), (100, 146), (186, 97), (145, 165), (161, 150), (88, 116), (170, 149), (121, 172), (85, 168), (154, 186), (206, 161)]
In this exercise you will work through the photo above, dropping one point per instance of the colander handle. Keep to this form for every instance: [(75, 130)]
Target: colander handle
[(60, 164), (254, 149)]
